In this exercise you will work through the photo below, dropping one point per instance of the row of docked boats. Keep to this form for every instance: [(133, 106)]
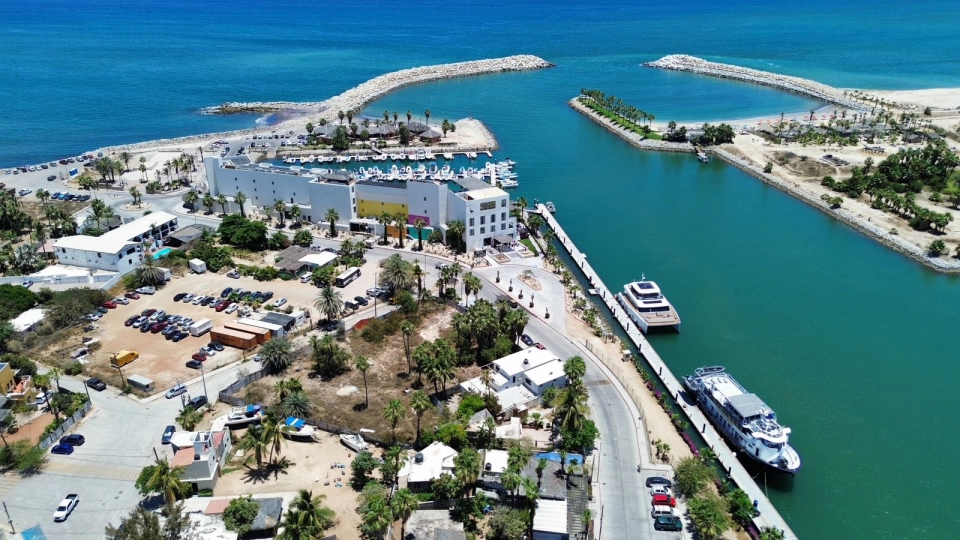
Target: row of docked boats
[(500, 174), (419, 155), (741, 416)]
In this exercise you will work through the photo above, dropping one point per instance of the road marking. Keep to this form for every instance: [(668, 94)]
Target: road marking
[(91, 471)]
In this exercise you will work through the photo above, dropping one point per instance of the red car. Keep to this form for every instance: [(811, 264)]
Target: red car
[(222, 305), (148, 312), (664, 500), (155, 329), (131, 320), (132, 296), (199, 357), (110, 304), (539, 346)]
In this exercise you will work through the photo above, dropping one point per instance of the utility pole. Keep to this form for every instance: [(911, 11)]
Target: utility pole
[(155, 453), (9, 519), (204, 378)]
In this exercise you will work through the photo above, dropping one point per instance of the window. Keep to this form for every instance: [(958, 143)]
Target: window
[(471, 223), (483, 219), (483, 230), (503, 203), (471, 232), (503, 216), (503, 226), (488, 205), (99, 255), (424, 199), (493, 218)]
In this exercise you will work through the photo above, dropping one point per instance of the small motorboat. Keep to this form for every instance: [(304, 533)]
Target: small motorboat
[(354, 442)]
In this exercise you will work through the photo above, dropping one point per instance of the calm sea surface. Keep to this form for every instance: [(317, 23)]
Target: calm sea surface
[(852, 344)]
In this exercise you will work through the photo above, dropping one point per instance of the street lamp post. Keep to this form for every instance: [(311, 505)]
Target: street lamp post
[(203, 377), (376, 296)]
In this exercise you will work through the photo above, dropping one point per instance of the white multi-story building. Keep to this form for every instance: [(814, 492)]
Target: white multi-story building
[(483, 209), (119, 250), (202, 455), (532, 369)]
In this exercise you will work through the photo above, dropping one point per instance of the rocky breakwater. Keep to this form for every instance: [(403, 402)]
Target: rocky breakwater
[(805, 87), (631, 137), (257, 107)]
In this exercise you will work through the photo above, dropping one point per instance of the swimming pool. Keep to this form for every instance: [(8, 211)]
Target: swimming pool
[(572, 459), (162, 253)]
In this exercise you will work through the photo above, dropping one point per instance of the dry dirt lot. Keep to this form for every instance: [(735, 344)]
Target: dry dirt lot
[(310, 468)]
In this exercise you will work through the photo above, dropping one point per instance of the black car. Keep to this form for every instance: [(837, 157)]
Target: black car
[(226, 292), (96, 384), (170, 331), (528, 341), (215, 345), (168, 434), (180, 336), (350, 305), (267, 296), (197, 402), (207, 301), (180, 296), (194, 364), (74, 440), (361, 300), (668, 523), (658, 480), (51, 178)]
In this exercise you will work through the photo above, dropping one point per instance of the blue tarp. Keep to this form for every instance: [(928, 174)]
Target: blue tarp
[(74, 172), (295, 422)]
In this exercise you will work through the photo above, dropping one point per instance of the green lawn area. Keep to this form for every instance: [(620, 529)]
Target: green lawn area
[(530, 245)]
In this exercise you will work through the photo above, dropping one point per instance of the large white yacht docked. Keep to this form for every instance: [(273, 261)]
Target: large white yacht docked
[(647, 307), (743, 418)]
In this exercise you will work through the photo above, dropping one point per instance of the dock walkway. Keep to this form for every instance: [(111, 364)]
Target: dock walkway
[(769, 517)]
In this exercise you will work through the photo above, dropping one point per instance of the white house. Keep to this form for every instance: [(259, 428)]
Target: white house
[(420, 470), (495, 462), (548, 375), (483, 209), (28, 320), (550, 520), (202, 455), (119, 250), (509, 370)]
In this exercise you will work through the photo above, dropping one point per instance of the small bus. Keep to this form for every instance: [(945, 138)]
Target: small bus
[(347, 277)]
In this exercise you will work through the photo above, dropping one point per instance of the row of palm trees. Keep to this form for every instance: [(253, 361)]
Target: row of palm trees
[(615, 105)]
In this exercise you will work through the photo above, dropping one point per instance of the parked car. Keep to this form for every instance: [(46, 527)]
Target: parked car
[(179, 296), (527, 340), (278, 303), (194, 364), (361, 300), (65, 507), (110, 304), (156, 317), (175, 391), (209, 351), (653, 480), (197, 402), (131, 320), (173, 319), (168, 434), (189, 298), (268, 295), (350, 305), (226, 292), (121, 300), (96, 384), (233, 274), (91, 317), (169, 332), (147, 290), (197, 299), (51, 178), (668, 523), (185, 322), (43, 398), (132, 295), (222, 305), (62, 449), (231, 308), (179, 336), (663, 500), (74, 439), (148, 312), (216, 345), (102, 310), (660, 489), (539, 346), (199, 356)]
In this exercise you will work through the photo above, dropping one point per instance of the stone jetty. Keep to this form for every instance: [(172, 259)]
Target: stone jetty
[(360, 96), (805, 87)]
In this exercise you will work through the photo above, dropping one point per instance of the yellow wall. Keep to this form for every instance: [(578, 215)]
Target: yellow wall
[(371, 208), (6, 378)]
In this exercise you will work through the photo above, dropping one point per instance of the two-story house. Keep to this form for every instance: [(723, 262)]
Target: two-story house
[(202, 455)]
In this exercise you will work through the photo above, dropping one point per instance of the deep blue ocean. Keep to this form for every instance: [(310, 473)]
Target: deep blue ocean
[(853, 345)]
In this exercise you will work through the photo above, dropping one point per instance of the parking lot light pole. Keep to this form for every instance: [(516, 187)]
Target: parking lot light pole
[(203, 376)]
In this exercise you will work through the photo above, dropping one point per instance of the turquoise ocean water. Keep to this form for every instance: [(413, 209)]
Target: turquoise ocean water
[(851, 343)]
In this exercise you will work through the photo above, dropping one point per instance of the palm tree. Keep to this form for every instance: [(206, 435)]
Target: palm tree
[(135, 193), (208, 202), (535, 222), (341, 115), (575, 368), (467, 468), (166, 480), (397, 274), (363, 364), (332, 216), (55, 374), (143, 172), (297, 404), (426, 113), (100, 211), (44, 196), (400, 220), (283, 387), (393, 413), (281, 209), (191, 198), (471, 284), (406, 329), (403, 504), (329, 303), (295, 213), (189, 418), (148, 273), (531, 493), (40, 234), (222, 201), (456, 228), (307, 517), (420, 404), (386, 220), (255, 439), (275, 355), (419, 224), (240, 198)]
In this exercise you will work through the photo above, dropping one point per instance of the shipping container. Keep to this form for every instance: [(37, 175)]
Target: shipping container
[(200, 327), (263, 334), (233, 338)]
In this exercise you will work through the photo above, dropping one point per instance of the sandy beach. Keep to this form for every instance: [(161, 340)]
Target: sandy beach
[(937, 98)]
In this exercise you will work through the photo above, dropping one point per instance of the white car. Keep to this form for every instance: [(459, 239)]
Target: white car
[(660, 489), (231, 308), (43, 398), (280, 302), (175, 391), (121, 300), (147, 290), (189, 298), (197, 300), (66, 506)]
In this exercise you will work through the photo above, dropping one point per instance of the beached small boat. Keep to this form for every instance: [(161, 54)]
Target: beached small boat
[(354, 442), (297, 428), (241, 416)]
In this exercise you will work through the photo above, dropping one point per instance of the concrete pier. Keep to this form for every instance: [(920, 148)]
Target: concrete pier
[(769, 517)]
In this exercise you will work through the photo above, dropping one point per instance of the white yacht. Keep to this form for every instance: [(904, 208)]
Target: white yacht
[(647, 307), (447, 156), (354, 442), (241, 416), (471, 155), (297, 428), (743, 418)]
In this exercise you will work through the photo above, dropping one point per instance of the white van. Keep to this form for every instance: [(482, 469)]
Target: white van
[(305, 277), (661, 510)]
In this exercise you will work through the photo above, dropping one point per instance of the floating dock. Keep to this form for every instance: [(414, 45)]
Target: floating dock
[(769, 517)]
